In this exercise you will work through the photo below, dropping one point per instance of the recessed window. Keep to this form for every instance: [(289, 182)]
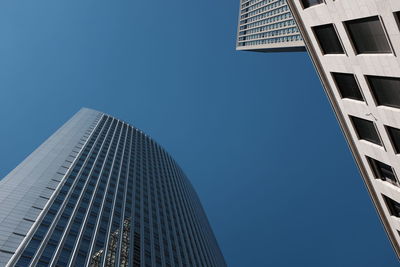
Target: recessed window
[(393, 206), (386, 90), (366, 130), (347, 85), (368, 35), (397, 17), (328, 39), (308, 3), (382, 171), (394, 135)]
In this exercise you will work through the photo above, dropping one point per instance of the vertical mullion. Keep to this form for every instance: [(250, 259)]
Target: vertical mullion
[(126, 155), (38, 253), (128, 180), (93, 243), (173, 209), (111, 131), (117, 189), (134, 222), (166, 225), (78, 202), (193, 206), (188, 214), (179, 208)]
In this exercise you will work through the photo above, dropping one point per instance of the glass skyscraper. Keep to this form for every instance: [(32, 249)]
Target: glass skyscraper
[(100, 192)]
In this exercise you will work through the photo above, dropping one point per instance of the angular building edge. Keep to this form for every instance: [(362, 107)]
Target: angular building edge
[(22, 199), (343, 126)]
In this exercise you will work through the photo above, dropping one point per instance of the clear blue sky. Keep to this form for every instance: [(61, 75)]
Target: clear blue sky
[(254, 132)]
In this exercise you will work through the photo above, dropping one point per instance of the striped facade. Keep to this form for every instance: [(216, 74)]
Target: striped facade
[(267, 26), (100, 192)]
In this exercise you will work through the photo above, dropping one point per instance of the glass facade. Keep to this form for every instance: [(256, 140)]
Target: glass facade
[(123, 202)]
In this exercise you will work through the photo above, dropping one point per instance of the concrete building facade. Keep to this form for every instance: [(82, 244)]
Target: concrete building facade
[(267, 26), (100, 192), (355, 47)]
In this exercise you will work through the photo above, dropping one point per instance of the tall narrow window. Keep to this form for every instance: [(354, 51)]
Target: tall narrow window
[(366, 130), (382, 171), (393, 206), (347, 85), (386, 90), (328, 39), (368, 35), (397, 17), (308, 3), (394, 135)]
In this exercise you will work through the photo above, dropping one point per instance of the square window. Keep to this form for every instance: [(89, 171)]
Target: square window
[(347, 85), (382, 171), (386, 90), (394, 135), (393, 206), (368, 35), (366, 130), (309, 3), (328, 39)]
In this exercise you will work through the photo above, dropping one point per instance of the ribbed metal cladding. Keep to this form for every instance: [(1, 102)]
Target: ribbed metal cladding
[(123, 202)]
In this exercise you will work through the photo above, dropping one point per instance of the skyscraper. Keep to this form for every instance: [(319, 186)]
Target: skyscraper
[(267, 26), (100, 192), (354, 46)]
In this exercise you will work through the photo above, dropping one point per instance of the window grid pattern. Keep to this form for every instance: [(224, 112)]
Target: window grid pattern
[(125, 202), (266, 22)]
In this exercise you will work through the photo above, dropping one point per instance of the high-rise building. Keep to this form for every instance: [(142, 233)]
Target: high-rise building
[(100, 192), (267, 26), (355, 47)]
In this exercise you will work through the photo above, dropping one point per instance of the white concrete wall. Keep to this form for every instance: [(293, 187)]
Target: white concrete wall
[(336, 12)]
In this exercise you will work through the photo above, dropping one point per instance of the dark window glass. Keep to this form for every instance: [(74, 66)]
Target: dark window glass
[(328, 39), (386, 90), (394, 135), (366, 130), (23, 261), (368, 35), (397, 17), (347, 85), (308, 3), (393, 206), (382, 170)]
